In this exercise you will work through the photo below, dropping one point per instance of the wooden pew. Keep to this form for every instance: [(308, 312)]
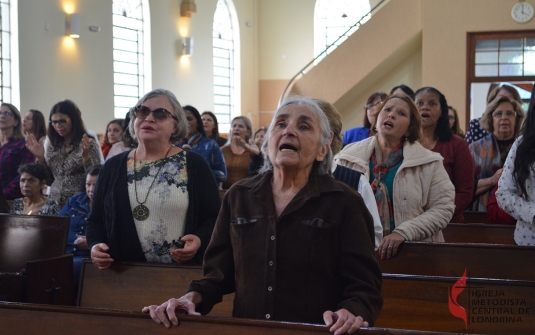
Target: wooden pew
[(451, 259), (476, 217), (28, 237), (410, 302), (4, 206), (33, 264), (38, 319), (479, 233), (421, 303), (131, 286)]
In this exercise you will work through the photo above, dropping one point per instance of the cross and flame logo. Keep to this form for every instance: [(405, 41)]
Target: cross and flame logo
[(455, 308)]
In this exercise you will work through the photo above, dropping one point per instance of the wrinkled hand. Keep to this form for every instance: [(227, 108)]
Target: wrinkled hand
[(36, 148), (389, 245), (193, 243), (100, 257), (343, 321), (81, 242), (86, 144), (166, 312)]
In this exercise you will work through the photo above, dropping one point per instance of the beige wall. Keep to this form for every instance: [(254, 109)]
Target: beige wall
[(54, 67), (445, 25)]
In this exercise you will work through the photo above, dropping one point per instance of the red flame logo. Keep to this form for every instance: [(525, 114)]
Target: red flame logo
[(456, 309)]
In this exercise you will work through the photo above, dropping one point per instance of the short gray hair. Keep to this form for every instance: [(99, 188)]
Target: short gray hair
[(181, 123), (319, 168)]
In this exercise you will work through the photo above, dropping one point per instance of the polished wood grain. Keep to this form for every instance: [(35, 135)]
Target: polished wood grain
[(479, 233)]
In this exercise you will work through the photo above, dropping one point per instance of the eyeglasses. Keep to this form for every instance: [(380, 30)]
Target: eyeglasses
[(499, 114), (6, 114), (371, 106), (159, 114), (56, 122)]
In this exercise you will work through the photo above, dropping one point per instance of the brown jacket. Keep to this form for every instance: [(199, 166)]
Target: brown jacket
[(317, 256)]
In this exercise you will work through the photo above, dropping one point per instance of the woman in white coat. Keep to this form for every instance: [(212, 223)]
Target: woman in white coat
[(414, 194)]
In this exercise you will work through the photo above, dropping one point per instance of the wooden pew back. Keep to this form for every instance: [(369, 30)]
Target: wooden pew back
[(491, 306), (475, 217), (451, 259), (479, 233), (28, 237), (36, 319), (131, 286)]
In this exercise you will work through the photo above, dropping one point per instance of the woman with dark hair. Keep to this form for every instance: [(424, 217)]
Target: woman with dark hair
[(13, 150), (403, 90), (211, 128), (126, 142), (254, 149), (112, 136), (453, 119), (437, 137), (68, 150), (360, 133), (32, 181), (502, 120), (78, 208), (413, 192), (34, 123), (516, 188), (156, 203), (197, 141)]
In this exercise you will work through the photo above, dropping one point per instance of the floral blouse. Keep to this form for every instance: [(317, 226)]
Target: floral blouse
[(50, 208)]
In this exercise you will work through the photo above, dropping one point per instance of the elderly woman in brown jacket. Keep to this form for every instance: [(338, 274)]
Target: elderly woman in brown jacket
[(292, 243)]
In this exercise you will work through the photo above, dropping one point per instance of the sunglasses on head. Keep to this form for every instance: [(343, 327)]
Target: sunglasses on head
[(159, 114)]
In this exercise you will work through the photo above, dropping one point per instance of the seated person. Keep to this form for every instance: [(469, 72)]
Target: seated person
[(413, 192), (280, 246), (78, 208), (32, 181)]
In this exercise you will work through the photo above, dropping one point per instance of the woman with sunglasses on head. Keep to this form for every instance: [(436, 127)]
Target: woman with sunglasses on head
[(13, 150), (68, 150), (156, 203), (502, 120), (361, 133)]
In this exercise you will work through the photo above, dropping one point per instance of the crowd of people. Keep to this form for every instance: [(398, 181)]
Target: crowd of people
[(150, 192)]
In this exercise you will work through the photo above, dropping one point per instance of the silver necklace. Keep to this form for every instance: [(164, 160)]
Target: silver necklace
[(141, 212)]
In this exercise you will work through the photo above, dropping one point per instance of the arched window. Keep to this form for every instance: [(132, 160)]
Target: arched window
[(226, 64), (9, 52), (332, 18), (131, 53)]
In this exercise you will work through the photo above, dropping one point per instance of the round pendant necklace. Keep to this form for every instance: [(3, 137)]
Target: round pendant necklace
[(141, 212)]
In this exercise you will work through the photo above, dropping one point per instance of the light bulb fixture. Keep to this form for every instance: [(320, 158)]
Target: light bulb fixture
[(73, 25), (188, 7), (187, 46)]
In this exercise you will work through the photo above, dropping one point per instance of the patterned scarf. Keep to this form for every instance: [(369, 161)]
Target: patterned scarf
[(379, 187)]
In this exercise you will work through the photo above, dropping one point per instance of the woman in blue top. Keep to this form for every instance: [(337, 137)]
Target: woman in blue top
[(197, 141), (362, 133), (78, 208)]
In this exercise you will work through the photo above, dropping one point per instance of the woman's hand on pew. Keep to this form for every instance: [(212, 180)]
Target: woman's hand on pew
[(166, 312), (343, 321), (193, 243), (99, 257), (389, 245)]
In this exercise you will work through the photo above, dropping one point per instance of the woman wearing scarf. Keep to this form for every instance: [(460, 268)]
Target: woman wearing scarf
[(414, 194)]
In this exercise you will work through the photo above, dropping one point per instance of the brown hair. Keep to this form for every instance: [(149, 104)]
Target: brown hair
[(456, 129), (493, 93), (17, 130), (415, 120), (382, 96), (487, 122), (118, 122), (335, 121)]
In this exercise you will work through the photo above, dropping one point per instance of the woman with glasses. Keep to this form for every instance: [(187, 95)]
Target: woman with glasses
[(13, 151), (156, 203), (502, 120), (361, 133), (68, 150), (437, 137)]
